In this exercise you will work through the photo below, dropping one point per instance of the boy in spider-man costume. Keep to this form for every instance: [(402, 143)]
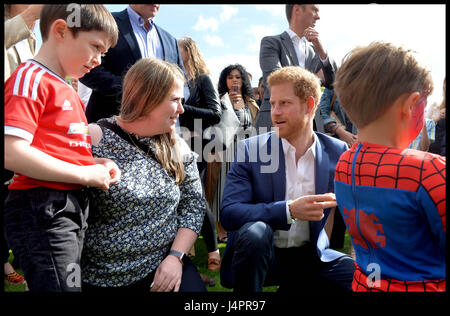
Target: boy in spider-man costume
[(391, 198)]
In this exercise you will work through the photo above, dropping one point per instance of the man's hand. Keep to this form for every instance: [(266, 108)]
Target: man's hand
[(312, 36), (310, 207)]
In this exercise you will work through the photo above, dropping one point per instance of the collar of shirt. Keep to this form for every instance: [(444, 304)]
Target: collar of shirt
[(294, 37), (287, 147), (137, 20), (299, 47)]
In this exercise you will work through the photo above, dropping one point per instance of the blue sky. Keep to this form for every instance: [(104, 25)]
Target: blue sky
[(232, 33)]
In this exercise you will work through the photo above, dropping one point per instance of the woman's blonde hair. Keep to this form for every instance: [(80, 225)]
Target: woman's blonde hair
[(146, 85), (195, 64), (372, 77)]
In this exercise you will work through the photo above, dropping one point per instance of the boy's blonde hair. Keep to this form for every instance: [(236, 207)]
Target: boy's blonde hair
[(306, 84), (146, 85), (372, 77), (195, 62), (80, 18)]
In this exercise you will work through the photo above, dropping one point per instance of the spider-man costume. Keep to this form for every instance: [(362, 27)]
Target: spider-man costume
[(393, 204)]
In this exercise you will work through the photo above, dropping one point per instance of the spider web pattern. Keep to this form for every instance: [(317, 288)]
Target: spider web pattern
[(361, 283), (385, 167)]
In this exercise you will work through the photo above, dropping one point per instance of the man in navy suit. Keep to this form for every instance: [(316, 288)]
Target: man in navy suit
[(278, 197), (139, 37)]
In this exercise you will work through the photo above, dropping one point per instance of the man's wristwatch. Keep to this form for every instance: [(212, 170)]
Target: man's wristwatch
[(179, 255)]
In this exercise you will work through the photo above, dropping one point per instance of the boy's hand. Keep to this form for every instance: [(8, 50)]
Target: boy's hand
[(310, 207), (101, 175), (114, 171)]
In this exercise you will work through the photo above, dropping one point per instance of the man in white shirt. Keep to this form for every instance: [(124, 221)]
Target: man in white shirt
[(278, 197), (299, 45)]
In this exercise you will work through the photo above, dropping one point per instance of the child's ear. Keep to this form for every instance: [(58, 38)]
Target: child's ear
[(59, 29), (408, 104)]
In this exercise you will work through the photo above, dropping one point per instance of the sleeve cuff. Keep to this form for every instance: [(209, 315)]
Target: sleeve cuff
[(325, 61), (288, 214)]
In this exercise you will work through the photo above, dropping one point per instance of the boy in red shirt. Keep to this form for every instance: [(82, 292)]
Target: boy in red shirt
[(48, 147), (391, 198)]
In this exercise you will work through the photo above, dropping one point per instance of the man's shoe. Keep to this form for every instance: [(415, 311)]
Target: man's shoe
[(208, 281)]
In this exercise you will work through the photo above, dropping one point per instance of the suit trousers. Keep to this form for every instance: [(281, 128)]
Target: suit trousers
[(257, 263)]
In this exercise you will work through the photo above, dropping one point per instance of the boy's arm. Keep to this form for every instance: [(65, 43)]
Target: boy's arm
[(21, 158)]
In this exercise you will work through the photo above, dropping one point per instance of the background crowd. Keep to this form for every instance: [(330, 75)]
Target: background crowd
[(143, 101)]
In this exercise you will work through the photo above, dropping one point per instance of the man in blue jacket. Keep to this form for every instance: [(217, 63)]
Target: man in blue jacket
[(278, 197), (139, 37)]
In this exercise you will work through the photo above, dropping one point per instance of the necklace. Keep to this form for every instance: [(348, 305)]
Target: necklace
[(148, 150), (142, 146)]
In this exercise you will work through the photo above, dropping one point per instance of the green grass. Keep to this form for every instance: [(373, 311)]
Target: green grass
[(200, 260)]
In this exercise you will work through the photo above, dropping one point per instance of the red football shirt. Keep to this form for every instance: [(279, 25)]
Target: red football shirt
[(41, 107)]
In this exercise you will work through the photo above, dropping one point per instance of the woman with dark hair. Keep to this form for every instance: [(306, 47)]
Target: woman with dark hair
[(234, 81)]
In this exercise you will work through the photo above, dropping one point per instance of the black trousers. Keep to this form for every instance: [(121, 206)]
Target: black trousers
[(45, 229)]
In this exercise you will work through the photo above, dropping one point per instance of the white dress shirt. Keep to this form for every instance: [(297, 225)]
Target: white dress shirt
[(148, 41), (300, 48), (300, 181)]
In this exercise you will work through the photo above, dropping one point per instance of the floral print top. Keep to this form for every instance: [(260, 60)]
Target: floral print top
[(132, 225)]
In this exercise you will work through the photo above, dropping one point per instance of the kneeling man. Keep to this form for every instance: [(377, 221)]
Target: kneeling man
[(278, 197)]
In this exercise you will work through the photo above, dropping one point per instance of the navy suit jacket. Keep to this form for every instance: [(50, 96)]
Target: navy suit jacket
[(255, 190), (106, 79)]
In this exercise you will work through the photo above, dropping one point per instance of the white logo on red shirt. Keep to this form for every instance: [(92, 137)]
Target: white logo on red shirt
[(67, 106)]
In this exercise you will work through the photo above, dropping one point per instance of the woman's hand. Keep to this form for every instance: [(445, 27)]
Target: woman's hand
[(236, 100), (345, 136), (168, 275)]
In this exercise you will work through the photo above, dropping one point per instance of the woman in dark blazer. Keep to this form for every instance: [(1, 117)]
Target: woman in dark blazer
[(202, 106)]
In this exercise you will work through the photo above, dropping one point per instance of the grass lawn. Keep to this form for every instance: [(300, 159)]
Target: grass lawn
[(200, 260)]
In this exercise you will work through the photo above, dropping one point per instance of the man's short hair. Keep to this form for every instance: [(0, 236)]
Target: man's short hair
[(79, 17), (289, 8), (372, 77), (306, 84)]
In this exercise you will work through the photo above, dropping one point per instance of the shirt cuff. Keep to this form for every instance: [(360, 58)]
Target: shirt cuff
[(288, 214), (325, 61)]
